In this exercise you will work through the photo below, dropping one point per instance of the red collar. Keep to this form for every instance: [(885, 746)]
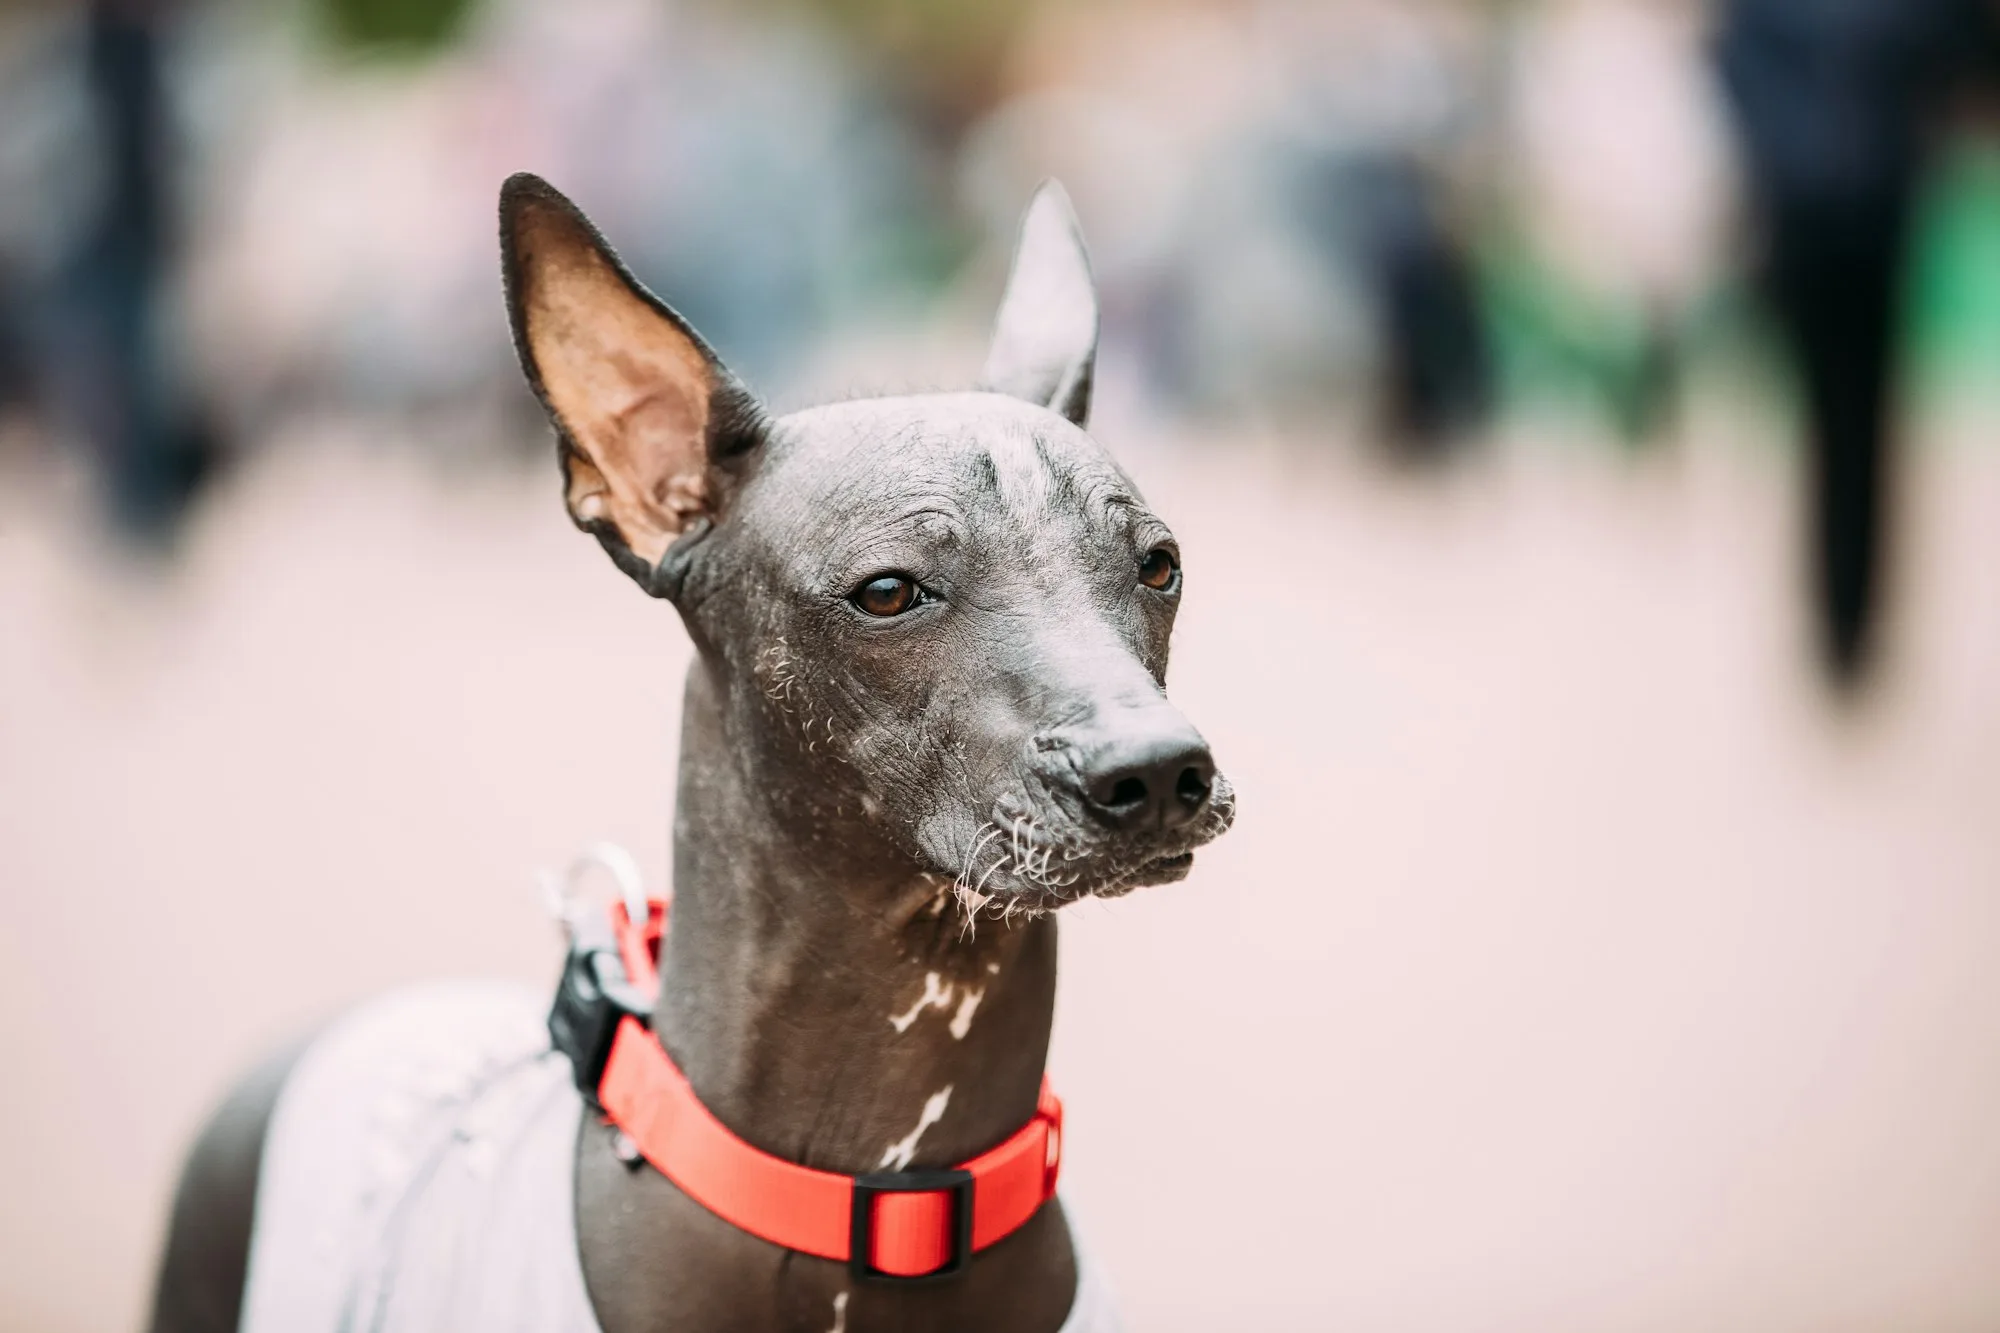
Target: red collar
[(889, 1224)]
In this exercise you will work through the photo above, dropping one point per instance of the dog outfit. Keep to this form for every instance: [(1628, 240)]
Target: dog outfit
[(419, 1177)]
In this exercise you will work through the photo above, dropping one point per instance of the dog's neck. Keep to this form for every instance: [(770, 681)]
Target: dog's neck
[(825, 1003), (824, 1000), (835, 1011)]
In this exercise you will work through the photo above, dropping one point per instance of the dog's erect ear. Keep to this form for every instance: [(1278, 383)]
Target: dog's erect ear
[(1045, 341), (643, 408)]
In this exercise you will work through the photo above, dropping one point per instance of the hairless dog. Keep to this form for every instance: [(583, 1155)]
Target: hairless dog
[(926, 710)]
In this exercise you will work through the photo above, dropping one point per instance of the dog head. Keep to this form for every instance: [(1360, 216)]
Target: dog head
[(938, 622)]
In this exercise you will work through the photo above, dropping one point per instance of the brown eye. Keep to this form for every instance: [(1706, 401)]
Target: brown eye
[(888, 595), (1158, 570)]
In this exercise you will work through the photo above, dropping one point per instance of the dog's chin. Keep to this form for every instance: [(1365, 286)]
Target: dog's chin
[(1109, 881), (1159, 870)]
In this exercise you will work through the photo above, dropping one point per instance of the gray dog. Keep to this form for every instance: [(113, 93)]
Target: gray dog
[(926, 710)]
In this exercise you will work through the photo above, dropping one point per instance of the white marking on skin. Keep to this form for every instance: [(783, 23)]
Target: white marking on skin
[(839, 1314), (961, 1022), (993, 969), (935, 996), (897, 1158)]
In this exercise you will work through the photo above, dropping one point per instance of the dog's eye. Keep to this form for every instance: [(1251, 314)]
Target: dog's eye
[(1159, 569), (886, 595)]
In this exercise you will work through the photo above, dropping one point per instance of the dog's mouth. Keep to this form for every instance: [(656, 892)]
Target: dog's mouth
[(1168, 869), (1021, 865)]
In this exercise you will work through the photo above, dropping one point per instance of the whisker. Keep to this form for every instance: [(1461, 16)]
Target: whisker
[(989, 873), (972, 855)]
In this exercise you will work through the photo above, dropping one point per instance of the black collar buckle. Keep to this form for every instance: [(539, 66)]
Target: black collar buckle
[(861, 1228)]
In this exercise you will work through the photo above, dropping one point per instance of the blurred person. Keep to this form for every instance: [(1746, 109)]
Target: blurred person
[(1380, 103), (108, 358), (1436, 372), (14, 369), (1837, 102)]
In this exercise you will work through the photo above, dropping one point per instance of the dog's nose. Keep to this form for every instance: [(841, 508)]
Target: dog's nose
[(1157, 783)]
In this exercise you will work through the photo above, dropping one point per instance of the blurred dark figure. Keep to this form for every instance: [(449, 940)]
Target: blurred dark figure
[(1380, 213), (112, 373), (1436, 370), (14, 373), (1836, 101)]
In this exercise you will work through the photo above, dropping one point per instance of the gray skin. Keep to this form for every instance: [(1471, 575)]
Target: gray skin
[(864, 798)]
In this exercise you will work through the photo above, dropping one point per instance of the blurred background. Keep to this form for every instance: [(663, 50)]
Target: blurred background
[(1579, 416)]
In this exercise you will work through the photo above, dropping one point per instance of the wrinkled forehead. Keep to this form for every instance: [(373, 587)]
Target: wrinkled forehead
[(979, 459)]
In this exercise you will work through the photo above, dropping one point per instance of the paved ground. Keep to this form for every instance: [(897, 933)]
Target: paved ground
[(1571, 967)]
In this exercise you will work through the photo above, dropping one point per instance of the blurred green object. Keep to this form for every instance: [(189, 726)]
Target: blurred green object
[(394, 28), (1953, 290), (1557, 342)]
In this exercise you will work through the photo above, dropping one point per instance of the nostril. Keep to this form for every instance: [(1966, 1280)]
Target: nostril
[(1127, 792), (1145, 783)]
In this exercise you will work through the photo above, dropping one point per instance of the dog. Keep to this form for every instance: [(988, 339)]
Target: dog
[(927, 710)]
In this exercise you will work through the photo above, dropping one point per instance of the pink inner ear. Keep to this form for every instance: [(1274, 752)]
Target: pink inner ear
[(631, 389), (651, 429)]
